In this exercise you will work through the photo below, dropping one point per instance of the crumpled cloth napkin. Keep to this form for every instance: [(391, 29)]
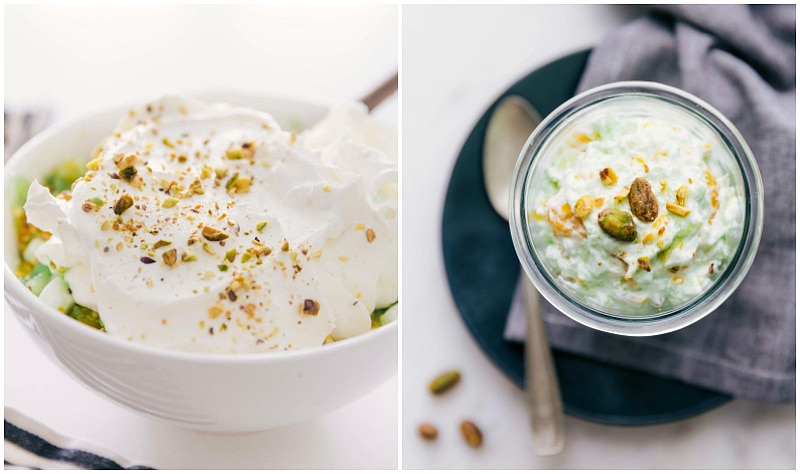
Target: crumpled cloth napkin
[(741, 59), (30, 445)]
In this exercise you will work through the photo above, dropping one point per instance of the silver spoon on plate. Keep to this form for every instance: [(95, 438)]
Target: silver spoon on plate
[(509, 127)]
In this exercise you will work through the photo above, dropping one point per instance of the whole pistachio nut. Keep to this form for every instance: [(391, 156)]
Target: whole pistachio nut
[(471, 433), (444, 382), (643, 201), (618, 224)]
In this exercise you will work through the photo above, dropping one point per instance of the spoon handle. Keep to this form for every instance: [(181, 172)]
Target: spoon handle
[(381, 93), (542, 391)]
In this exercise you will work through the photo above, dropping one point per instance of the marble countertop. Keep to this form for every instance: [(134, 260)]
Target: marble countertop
[(456, 61), (98, 57)]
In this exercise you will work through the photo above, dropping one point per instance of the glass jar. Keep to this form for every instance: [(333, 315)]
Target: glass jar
[(636, 208)]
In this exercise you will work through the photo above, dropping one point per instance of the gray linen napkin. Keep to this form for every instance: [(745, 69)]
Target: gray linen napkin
[(741, 59)]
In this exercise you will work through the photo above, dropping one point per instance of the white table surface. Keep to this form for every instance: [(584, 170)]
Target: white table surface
[(456, 61), (81, 59)]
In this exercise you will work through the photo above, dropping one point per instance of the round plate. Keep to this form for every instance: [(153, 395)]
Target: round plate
[(483, 269)]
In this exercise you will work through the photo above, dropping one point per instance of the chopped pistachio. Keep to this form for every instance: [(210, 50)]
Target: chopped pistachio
[(608, 176), (678, 210), (622, 194), (123, 204), (234, 153), (161, 243), (208, 249), (93, 165), (260, 226), (170, 257), (128, 173), (310, 307), (97, 201), (230, 255), (680, 195), (213, 234), (169, 202), (231, 181), (221, 172), (583, 206), (124, 161), (370, 235), (88, 206)]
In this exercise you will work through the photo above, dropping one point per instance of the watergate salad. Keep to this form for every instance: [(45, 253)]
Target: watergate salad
[(206, 228), (636, 209)]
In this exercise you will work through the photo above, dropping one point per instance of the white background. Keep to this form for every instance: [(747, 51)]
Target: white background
[(456, 61), (82, 59)]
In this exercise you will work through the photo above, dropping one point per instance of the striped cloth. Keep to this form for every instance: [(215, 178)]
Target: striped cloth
[(31, 445)]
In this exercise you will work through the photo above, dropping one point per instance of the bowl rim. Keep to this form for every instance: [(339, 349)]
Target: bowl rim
[(698, 307), (13, 285)]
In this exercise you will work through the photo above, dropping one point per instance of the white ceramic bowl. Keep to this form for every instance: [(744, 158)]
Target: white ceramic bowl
[(208, 392)]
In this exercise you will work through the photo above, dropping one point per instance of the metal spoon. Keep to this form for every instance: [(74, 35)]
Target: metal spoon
[(511, 123)]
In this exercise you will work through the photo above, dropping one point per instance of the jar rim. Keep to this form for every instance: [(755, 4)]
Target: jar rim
[(687, 312)]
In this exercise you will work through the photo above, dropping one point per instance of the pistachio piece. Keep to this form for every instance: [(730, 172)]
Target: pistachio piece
[(170, 257), (444, 382), (644, 263), (310, 308), (608, 176), (622, 194), (370, 235), (471, 433), (88, 206), (162, 243), (123, 161), (123, 204), (128, 173), (169, 202), (618, 224), (678, 210), (680, 195), (583, 206), (214, 234), (643, 201)]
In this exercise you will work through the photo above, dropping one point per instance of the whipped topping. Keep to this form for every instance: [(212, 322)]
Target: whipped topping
[(205, 227)]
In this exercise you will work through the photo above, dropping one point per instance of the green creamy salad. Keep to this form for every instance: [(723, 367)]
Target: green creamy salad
[(47, 281), (635, 210)]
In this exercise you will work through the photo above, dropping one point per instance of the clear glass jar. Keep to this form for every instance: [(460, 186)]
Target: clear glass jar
[(665, 278)]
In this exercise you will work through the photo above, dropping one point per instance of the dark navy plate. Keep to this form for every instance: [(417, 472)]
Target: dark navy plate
[(483, 269)]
